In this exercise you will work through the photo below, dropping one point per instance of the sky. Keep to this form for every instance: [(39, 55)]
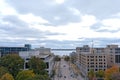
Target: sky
[(59, 23)]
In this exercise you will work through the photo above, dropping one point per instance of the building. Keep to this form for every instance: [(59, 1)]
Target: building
[(73, 57), (85, 48), (92, 61), (14, 50), (42, 53), (43, 50), (97, 58), (114, 57)]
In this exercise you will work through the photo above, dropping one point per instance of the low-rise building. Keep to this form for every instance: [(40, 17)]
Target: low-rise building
[(42, 53), (14, 50)]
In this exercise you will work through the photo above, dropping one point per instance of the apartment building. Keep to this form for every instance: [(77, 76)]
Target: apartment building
[(42, 53)]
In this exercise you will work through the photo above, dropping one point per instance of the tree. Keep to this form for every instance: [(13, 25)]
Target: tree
[(115, 76), (7, 76), (67, 58), (57, 58), (12, 62), (3, 70), (41, 77), (91, 74), (109, 72), (100, 74), (37, 65), (25, 75)]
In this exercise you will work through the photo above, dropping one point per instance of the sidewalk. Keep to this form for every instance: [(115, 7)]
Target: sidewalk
[(76, 71)]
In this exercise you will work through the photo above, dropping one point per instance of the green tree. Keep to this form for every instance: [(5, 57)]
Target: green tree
[(7, 76), (91, 74), (25, 75), (67, 58), (41, 77), (57, 58), (3, 70), (37, 65), (12, 62), (100, 74)]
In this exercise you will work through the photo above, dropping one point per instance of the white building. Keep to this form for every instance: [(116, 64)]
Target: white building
[(42, 53)]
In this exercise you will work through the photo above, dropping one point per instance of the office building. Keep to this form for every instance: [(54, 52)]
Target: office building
[(14, 50), (42, 53), (97, 58)]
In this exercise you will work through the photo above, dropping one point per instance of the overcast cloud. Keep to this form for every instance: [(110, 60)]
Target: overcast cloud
[(59, 23)]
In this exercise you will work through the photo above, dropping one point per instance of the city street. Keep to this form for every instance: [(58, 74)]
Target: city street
[(65, 72)]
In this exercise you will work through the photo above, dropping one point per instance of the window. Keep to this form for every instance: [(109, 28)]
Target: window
[(47, 64), (100, 59), (117, 58), (92, 63), (92, 59), (92, 66), (92, 56), (26, 65)]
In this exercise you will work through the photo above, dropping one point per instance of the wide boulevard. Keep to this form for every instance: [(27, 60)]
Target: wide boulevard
[(64, 71)]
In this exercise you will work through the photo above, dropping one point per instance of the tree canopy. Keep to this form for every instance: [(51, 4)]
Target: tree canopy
[(67, 58), (37, 65), (91, 74), (3, 70), (25, 75), (7, 76), (12, 62), (109, 72), (57, 58), (100, 74)]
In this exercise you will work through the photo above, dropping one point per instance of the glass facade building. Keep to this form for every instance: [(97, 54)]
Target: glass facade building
[(14, 50)]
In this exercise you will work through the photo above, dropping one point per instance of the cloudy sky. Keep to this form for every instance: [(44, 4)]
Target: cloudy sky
[(59, 23)]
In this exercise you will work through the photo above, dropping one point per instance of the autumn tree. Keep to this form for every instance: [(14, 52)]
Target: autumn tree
[(3, 70), (115, 76), (41, 77), (7, 76), (109, 72), (37, 65), (13, 63), (25, 75)]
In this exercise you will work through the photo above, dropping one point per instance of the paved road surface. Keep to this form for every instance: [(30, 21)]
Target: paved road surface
[(64, 72)]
